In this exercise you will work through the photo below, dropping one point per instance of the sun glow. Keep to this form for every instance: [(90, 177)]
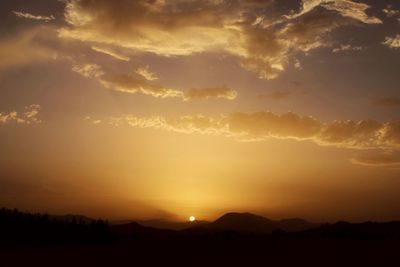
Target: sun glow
[(192, 218)]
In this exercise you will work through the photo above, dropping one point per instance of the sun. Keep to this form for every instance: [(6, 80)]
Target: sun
[(192, 218)]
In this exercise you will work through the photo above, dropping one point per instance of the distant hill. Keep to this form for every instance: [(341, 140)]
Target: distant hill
[(235, 239), (247, 222), (21, 226), (233, 221)]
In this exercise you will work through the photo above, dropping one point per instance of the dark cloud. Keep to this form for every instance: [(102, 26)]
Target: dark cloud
[(263, 39), (143, 82), (378, 160)]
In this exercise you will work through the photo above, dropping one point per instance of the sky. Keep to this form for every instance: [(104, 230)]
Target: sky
[(171, 108)]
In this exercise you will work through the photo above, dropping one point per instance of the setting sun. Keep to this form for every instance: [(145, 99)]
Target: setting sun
[(192, 218)]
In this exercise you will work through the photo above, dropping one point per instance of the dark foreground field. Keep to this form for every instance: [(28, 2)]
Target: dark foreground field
[(210, 252), (32, 240)]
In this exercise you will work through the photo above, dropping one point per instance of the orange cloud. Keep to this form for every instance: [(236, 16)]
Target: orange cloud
[(34, 17), (346, 8), (142, 83), (206, 93), (262, 39), (377, 160), (392, 42), (110, 53), (363, 135), (145, 73), (29, 116)]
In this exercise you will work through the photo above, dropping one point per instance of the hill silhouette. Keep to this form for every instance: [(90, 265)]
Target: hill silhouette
[(234, 239), (247, 222), (234, 221)]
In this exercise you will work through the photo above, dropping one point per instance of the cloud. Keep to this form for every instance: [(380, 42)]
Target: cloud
[(283, 94), (263, 39), (363, 135), (29, 116), (392, 42), (88, 70), (25, 48), (377, 160), (206, 93), (110, 53), (347, 47), (131, 84), (145, 73), (34, 17), (345, 8), (386, 102), (390, 12), (140, 83)]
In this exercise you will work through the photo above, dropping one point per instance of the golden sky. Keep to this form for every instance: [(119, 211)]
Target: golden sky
[(172, 108)]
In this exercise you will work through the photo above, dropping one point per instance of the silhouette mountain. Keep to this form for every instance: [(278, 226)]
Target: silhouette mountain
[(247, 222), (235, 239), (233, 221)]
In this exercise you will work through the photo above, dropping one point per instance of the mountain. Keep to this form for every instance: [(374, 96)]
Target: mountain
[(247, 222), (233, 221), (38, 239)]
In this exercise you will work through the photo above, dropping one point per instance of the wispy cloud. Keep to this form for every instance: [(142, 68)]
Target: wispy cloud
[(206, 93), (391, 12), (88, 70), (377, 160), (110, 53), (363, 135), (347, 47), (346, 8), (28, 116), (392, 42), (34, 17), (146, 73), (140, 83)]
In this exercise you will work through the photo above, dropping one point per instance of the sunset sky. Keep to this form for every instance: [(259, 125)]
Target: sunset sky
[(171, 108)]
